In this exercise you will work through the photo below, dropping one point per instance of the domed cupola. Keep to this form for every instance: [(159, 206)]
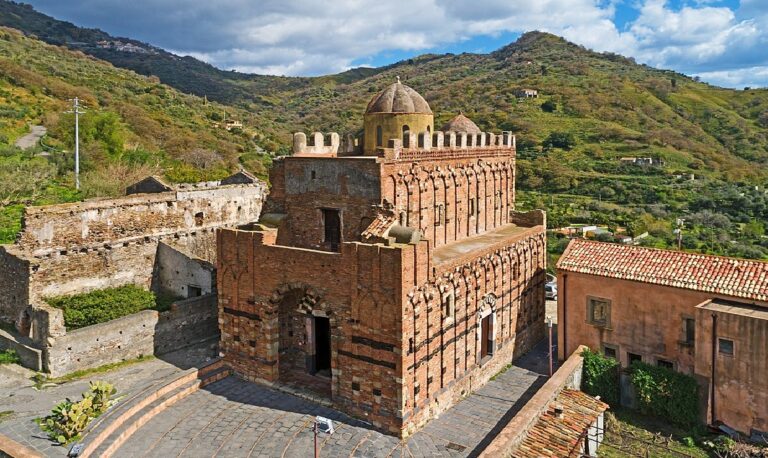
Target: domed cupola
[(461, 123), (392, 113)]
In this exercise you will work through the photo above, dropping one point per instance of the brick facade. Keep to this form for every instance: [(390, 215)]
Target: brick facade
[(430, 287)]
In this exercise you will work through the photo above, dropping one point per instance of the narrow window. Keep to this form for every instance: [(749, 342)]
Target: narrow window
[(314, 175), (332, 228), (632, 357), (406, 136), (379, 136), (599, 311), (449, 305), (486, 336), (439, 214), (471, 206), (690, 330), (725, 347)]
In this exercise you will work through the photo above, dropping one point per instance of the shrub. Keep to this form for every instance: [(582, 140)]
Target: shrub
[(99, 306), (68, 419), (9, 357), (600, 377), (563, 140), (665, 393)]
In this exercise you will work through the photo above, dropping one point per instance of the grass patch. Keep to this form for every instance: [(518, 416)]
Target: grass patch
[(629, 433), (41, 380), (9, 357), (5, 414), (81, 310), (503, 369)]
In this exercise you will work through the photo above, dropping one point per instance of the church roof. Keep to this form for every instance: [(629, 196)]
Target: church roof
[(398, 98), (461, 123)]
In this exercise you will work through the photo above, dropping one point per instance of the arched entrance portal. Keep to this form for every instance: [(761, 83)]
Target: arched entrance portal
[(304, 347)]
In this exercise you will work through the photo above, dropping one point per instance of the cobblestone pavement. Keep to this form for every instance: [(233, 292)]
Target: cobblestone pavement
[(235, 418), (25, 403)]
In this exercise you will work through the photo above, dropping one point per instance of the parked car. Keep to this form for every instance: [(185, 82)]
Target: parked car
[(550, 291)]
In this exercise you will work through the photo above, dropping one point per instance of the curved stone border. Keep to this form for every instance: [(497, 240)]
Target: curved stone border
[(127, 417), (9, 447)]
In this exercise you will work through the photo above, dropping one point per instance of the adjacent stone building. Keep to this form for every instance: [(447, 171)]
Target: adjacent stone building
[(391, 274), (698, 314), (159, 236)]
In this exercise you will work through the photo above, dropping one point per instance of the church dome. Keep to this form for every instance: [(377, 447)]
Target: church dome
[(461, 123), (398, 98)]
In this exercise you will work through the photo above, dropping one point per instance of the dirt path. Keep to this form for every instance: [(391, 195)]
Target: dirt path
[(31, 139)]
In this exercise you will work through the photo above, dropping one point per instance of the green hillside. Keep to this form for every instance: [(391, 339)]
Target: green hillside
[(593, 110)]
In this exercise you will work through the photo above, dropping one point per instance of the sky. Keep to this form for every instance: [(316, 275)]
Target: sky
[(725, 42)]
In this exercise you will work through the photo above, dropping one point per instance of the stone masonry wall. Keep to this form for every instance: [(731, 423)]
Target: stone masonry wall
[(144, 333), (14, 286)]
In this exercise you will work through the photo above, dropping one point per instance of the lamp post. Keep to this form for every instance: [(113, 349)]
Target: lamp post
[(549, 325)]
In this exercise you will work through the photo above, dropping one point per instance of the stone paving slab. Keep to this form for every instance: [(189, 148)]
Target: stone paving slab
[(236, 418), (19, 396)]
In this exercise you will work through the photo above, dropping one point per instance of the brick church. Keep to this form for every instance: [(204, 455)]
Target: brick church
[(390, 274)]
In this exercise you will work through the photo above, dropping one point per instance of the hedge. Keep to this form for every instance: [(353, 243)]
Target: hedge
[(665, 393), (103, 305), (600, 377)]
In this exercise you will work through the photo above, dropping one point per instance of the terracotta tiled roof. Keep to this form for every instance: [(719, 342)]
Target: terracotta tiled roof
[(734, 277), (379, 227), (555, 437)]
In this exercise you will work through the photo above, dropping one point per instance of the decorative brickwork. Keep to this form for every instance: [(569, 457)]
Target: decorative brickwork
[(394, 281)]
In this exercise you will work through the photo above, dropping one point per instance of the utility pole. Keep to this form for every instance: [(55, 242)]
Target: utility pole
[(679, 232), (76, 110)]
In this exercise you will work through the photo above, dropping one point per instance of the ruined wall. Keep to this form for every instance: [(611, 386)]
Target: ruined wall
[(14, 285), (452, 198), (442, 349), (175, 271), (144, 333), (68, 227), (741, 392)]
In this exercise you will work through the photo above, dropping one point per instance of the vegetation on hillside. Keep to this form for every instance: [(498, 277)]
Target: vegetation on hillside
[(593, 109)]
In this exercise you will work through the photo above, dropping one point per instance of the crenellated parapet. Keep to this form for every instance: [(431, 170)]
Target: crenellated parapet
[(318, 144), (448, 144)]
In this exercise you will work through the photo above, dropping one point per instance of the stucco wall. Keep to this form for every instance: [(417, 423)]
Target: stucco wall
[(741, 380), (176, 271), (644, 319)]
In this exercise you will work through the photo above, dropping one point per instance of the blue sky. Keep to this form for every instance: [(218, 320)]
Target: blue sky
[(722, 41)]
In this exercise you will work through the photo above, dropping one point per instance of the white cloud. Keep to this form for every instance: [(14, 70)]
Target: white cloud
[(738, 78), (310, 37)]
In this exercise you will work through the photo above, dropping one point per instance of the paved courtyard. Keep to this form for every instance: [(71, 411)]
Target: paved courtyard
[(237, 418)]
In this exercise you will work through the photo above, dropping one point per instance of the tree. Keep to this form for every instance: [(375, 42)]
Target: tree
[(563, 140), (549, 106)]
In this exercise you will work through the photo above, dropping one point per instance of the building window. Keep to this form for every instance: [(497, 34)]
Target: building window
[(725, 347), (332, 228), (599, 311), (314, 175), (449, 305), (690, 330), (665, 363), (199, 217), (439, 214), (194, 291), (632, 357), (610, 351), (471, 206), (379, 136), (406, 136)]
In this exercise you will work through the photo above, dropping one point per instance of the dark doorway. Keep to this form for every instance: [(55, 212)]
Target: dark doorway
[(323, 346), (332, 223), (486, 337)]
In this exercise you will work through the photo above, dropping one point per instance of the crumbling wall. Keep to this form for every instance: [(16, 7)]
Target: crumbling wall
[(145, 333), (14, 286), (176, 271)]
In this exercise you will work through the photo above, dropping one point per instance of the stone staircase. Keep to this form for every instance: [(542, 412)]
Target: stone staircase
[(111, 430)]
